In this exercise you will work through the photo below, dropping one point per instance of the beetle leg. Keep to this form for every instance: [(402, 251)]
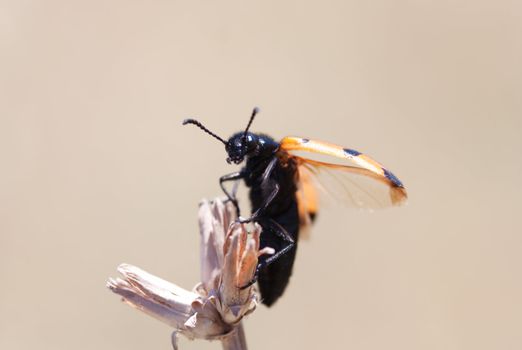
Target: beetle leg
[(281, 233), (231, 177), (265, 181)]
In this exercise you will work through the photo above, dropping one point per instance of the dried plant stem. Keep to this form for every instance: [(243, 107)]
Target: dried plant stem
[(235, 340), (214, 308)]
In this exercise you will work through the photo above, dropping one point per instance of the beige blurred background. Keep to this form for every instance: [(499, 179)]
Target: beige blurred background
[(96, 168)]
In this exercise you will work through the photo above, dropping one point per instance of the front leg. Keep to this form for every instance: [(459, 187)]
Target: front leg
[(231, 177)]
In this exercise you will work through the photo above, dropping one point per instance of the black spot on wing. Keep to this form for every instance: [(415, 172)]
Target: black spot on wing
[(305, 140), (351, 152), (389, 175)]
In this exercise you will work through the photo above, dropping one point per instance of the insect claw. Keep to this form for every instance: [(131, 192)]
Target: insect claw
[(252, 281), (249, 284), (240, 220)]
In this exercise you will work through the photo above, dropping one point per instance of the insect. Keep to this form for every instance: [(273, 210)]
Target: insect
[(283, 189)]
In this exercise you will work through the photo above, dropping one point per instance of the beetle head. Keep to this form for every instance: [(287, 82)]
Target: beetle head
[(239, 145)]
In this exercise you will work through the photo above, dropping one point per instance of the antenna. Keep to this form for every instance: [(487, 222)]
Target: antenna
[(199, 125), (254, 112)]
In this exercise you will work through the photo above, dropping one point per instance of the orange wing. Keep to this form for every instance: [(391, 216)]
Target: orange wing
[(307, 200), (358, 180)]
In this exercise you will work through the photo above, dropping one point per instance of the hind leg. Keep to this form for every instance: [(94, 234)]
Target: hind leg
[(280, 232)]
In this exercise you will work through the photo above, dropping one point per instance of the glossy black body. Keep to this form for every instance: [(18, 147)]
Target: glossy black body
[(282, 209), (274, 278), (271, 176)]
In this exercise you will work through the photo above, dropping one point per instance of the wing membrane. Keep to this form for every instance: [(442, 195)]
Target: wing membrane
[(359, 181), (353, 186)]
